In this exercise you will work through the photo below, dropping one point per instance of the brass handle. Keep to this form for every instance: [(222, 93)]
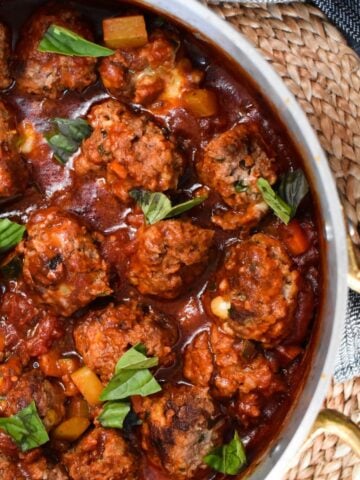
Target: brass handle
[(335, 423), (354, 269)]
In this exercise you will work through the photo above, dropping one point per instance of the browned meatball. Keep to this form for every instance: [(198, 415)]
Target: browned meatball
[(231, 165), (61, 262), (104, 335), (168, 257), (13, 172), (132, 149), (49, 398), (8, 469), (49, 74), (36, 466), (179, 428), (102, 454), (5, 79), (150, 73), (260, 283), (231, 367)]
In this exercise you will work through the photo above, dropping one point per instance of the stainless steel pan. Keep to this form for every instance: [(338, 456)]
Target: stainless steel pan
[(304, 416)]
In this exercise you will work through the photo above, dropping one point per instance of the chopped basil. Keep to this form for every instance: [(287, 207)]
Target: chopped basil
[(25, 428), (156, 206), (293, 188), (126, 383), (113, 414), (275, 202), (63, 41), (240, 187), (11, 234), (135, 359), (229, 458), (68, 137), (132, 376)]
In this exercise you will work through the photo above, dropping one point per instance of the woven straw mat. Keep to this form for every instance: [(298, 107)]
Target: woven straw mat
[(323, 73)]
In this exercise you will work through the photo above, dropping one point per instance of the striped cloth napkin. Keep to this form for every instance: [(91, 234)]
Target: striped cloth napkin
[(345, 14)]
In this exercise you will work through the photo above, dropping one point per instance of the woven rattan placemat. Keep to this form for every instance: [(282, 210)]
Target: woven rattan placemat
[(323, 73)]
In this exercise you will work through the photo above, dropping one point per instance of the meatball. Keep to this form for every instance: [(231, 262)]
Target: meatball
[(180, 427), (36, 466), (13, 172), (168, 257), (103, 336), (150, 75), (260, 282), (102, 454), (61, 262), (5, 79), (231, 367), (198, 361), (134, 152), (26, 329), (231, 165), (9, 469), (49, 74), (49, 398)]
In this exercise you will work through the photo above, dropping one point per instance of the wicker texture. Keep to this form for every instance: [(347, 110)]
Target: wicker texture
[(323, 73)]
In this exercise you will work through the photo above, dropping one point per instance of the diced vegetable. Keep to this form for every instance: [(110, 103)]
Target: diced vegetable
[(89, 385), (295, 238), (78, 407), (220, 307), (68, 365), (48, 363), (201, 102), (71, 429), (125, 32)]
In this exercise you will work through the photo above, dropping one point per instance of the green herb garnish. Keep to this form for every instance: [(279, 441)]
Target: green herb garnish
[(11, 234), (240, 187), (114, 413), (229, 458), (25, 428), (63, 41), (136, 359), (132, 376), (157, 206), (68, 137), (275, 202), (293, 188)]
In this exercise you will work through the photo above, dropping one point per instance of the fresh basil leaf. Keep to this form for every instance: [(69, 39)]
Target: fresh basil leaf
[(240, 187), (185, 206), (134, 359), (11, 234), (275, 202), (130, 382), (25, 428), (76, 129), (63, 41), (229, 458), (293, 188), (67, 140), (156, 206), (113, 414)]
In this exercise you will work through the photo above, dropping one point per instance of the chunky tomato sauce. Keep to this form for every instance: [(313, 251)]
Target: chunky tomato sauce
[(263, 266)]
